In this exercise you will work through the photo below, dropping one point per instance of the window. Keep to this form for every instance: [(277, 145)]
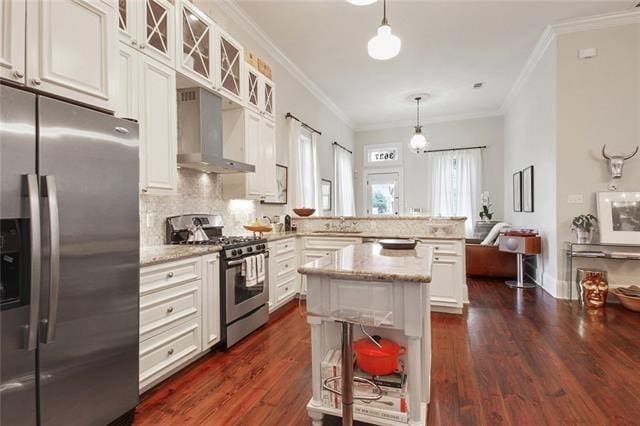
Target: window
[(308, 172), (383, 193), (454, 184), (382, 155)]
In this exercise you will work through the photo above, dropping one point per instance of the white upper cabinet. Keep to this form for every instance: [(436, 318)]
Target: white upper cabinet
[(230, 67), (158, 126), (260, 93), (12, 40), (72, 50), (269, 98), (267, 160), (126, 105), (148, 25), (195, 46), (253, 128)]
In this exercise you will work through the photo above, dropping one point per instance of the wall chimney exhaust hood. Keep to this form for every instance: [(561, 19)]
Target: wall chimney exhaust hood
[(200, 143)]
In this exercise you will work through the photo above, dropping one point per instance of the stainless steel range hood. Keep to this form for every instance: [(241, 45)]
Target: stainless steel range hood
[(200, 144)]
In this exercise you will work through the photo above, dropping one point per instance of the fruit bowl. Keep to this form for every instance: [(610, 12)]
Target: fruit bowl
[(629, 302), (304, 212), (258, 228)]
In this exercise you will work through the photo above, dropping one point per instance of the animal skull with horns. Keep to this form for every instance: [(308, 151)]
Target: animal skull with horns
[(616, 162)]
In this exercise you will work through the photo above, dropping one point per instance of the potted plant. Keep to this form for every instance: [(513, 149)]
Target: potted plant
[(584, 226), (485, 214)]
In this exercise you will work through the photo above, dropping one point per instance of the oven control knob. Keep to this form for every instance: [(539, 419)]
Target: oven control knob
[(233, 252), (260, 246), (239, 251), (250, 249)]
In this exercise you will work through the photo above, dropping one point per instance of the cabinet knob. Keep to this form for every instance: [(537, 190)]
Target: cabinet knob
[(145, 190), (170, 351), (18, 74), (134, 42), (170, 275), (36, 81), (170, 309), (437, 258), (142, 45), (286, 265)]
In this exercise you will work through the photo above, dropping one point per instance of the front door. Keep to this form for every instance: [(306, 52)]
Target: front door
[(383, 193)]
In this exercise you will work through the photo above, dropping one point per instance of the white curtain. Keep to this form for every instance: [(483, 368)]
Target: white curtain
[(304, 166), (345, 203), (295, 193), (455, 179)]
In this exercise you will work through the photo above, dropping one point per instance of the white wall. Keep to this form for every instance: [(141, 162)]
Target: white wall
[(598, 103), (567, 109), (291, 96), (453, 134), (530, 139)]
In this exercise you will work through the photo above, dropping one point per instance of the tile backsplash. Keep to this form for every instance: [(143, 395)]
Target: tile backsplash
[(197, 193)]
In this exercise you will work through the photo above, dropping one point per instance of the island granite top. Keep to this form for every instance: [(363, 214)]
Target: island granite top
[(370, 262)]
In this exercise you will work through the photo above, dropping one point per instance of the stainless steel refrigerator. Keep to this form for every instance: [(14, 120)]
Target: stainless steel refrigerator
[(69, 262)]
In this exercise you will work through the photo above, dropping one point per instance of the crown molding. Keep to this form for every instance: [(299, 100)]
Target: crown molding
[(428, 120), (240, 17), (550, 33), (597, 22)]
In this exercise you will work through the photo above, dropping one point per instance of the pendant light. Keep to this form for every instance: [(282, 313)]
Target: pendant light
[(362, 2), (384, 45), (418, 142)]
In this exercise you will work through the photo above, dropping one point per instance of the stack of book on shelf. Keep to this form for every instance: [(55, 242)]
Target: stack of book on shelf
[(394, 404)]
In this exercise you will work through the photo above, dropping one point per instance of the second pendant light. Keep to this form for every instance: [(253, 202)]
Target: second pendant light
[(384, 45)]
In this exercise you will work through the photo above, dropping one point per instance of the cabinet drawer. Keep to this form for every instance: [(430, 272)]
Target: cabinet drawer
[(328, 243), (163, 353), (445, 247), (164, 275), (283, 247), (286, 288), (285, 265), (161, 310)]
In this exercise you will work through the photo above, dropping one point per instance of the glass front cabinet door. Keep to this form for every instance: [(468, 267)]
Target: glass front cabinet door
[(195, 33), (253, 88), (128, 11), (231, 67), (158, 30), (269, 98)]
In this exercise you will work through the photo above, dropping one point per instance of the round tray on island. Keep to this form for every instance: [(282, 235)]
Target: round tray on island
[(398, 243)]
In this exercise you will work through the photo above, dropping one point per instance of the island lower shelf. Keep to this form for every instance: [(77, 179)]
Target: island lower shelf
[(362, 417)]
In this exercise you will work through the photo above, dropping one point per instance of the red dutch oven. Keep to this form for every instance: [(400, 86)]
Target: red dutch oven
[(379, 361)]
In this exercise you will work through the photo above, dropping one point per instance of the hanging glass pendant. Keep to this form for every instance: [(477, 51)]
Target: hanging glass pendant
[(418, 142), (384, 45)]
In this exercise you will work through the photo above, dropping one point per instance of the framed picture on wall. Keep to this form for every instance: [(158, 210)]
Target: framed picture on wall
[(619, 217), (281, 186), (527, 189), (517, 191)]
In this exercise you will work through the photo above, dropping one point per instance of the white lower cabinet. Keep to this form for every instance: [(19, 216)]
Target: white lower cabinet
[(179, 315), (318, 247), (210, 300), (283, 275)]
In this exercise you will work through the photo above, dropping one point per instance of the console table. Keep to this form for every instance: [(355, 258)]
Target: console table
[(596, 251)]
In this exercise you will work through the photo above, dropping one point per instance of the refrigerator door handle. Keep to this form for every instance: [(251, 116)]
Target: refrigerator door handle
[(51, 193), (31, 185)]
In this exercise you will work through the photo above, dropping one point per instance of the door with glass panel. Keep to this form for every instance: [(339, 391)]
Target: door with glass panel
[(158, 31), (195, 36), (231, 63), (383, 193)]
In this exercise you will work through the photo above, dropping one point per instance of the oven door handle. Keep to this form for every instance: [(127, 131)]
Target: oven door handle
[(231, 263)]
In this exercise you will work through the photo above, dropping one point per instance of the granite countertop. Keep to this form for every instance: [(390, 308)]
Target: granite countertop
[(370, 262), (275, 236), (157, 254)]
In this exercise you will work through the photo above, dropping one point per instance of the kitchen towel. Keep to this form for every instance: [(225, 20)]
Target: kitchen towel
[(250, 269), (260, 266)]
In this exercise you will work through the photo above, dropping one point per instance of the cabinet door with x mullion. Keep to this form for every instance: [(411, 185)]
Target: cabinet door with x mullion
[(157, 34), (231, 67), (194, 47)]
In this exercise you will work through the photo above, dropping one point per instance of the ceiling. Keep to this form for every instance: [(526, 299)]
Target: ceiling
[(447, 46)]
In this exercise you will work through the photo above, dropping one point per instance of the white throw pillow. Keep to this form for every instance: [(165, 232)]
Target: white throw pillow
[(492, 236)]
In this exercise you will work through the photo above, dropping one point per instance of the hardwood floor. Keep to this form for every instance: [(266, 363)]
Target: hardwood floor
[(512, 358)]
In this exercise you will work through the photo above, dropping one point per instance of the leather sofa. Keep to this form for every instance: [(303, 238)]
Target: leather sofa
[(488, 261)]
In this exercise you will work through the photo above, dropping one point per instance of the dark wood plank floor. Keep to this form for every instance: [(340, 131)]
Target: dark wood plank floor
[(514, 358)]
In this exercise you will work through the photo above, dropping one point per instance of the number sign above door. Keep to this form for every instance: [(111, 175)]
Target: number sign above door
[(382, 155)]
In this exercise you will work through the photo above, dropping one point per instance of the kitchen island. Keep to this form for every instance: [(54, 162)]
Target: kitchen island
[(387, 291)]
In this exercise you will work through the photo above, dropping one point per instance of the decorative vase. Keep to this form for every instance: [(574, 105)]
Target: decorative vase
[(592, 287), (583, 236)]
